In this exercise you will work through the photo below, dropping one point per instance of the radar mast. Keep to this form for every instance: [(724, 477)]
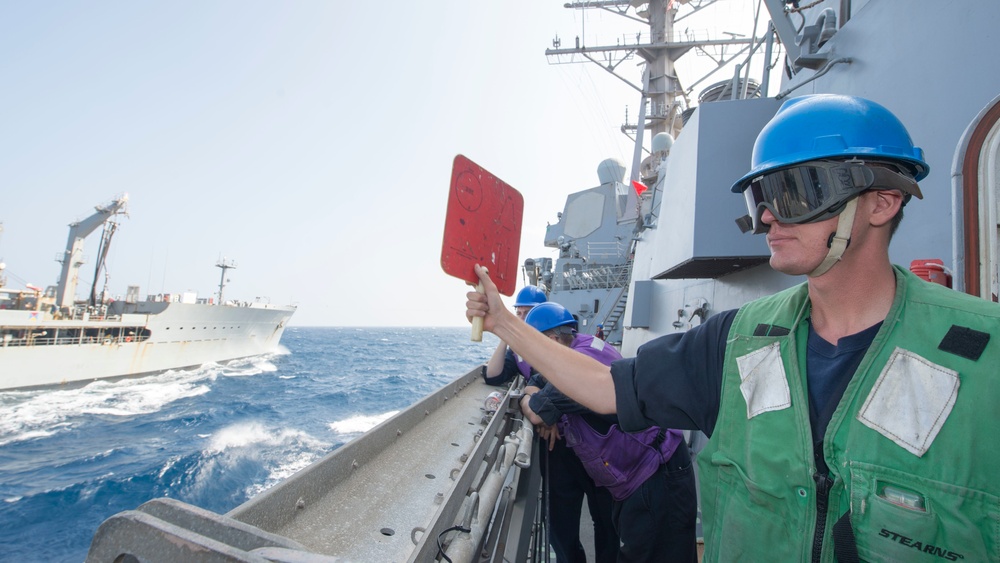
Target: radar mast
[(224, 264)]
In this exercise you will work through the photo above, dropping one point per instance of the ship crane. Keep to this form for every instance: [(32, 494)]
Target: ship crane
[(73, 256)]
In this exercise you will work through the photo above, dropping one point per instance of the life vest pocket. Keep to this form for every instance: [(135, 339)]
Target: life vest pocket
[(618, 460), (751, 513), (898, 516), (737, 478), (603, 472)]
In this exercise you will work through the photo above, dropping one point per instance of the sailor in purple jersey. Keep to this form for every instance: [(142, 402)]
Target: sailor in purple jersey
[(504, 364), (565, 477), (648, 474)]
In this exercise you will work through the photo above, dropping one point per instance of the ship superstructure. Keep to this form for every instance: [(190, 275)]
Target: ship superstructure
[(598, 230), (694, 262)]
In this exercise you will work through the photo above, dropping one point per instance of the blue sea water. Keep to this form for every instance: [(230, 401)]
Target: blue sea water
[(212, 437)]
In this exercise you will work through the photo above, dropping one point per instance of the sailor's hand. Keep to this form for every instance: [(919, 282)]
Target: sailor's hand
[(488, 304), (549, 434), (525, 404)]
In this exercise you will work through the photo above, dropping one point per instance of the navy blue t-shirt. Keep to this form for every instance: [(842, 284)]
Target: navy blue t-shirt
[(829, 368), (675, 381)]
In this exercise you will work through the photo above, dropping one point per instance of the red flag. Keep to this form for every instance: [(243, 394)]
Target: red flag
[(639, 187)]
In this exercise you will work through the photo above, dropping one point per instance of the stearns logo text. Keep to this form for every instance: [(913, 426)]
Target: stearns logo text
[(921, 546)]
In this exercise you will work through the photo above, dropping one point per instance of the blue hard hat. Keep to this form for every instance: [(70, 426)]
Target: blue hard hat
[(548, 316), (831, 126), (530, 296)]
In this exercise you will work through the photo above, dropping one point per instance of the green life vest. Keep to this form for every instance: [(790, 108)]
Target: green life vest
[(913, 447)]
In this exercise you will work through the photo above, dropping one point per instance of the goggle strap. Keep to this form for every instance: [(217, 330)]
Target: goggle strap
[(841, 239)]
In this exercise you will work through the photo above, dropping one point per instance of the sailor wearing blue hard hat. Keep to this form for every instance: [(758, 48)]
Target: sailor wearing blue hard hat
[(504, 364), (817, 155), (564, 476), (647, 474), (527, 298), (843, 413)]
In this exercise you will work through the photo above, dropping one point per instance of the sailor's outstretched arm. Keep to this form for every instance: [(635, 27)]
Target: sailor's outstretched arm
[(579, 377), (494, 366)]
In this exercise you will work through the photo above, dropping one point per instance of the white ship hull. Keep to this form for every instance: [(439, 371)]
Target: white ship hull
[(38, 350)]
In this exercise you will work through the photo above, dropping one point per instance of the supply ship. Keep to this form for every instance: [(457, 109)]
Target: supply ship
[(449, 480), (48, 337)]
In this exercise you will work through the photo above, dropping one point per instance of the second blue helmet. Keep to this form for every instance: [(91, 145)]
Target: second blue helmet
[(530, 296), (548, 316)]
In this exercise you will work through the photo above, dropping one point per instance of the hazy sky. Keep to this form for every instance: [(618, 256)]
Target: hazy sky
[(309, 141)]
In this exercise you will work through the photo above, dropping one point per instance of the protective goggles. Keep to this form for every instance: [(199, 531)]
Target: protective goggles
[(816, 191)]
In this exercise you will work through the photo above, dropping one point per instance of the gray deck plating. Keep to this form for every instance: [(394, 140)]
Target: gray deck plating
[(368, 500)]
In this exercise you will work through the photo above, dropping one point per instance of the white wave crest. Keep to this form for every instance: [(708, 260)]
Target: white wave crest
[(248, 367), (284, 470), (282, 451), (246, 434), (361, 423), (243, 367), (25, 415), (28, 415)]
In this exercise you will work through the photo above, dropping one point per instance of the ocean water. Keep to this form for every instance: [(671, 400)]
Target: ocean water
[(212, 437)]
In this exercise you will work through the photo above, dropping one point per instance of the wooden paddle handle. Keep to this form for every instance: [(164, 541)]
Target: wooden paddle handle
[(477, 322)]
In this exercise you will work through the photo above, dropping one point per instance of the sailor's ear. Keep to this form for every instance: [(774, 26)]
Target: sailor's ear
[(884, 204)]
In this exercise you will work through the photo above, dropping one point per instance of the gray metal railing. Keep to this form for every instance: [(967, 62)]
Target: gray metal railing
[(593, 277)]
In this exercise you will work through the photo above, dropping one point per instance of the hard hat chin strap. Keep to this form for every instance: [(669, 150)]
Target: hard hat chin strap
[(839, 240)]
